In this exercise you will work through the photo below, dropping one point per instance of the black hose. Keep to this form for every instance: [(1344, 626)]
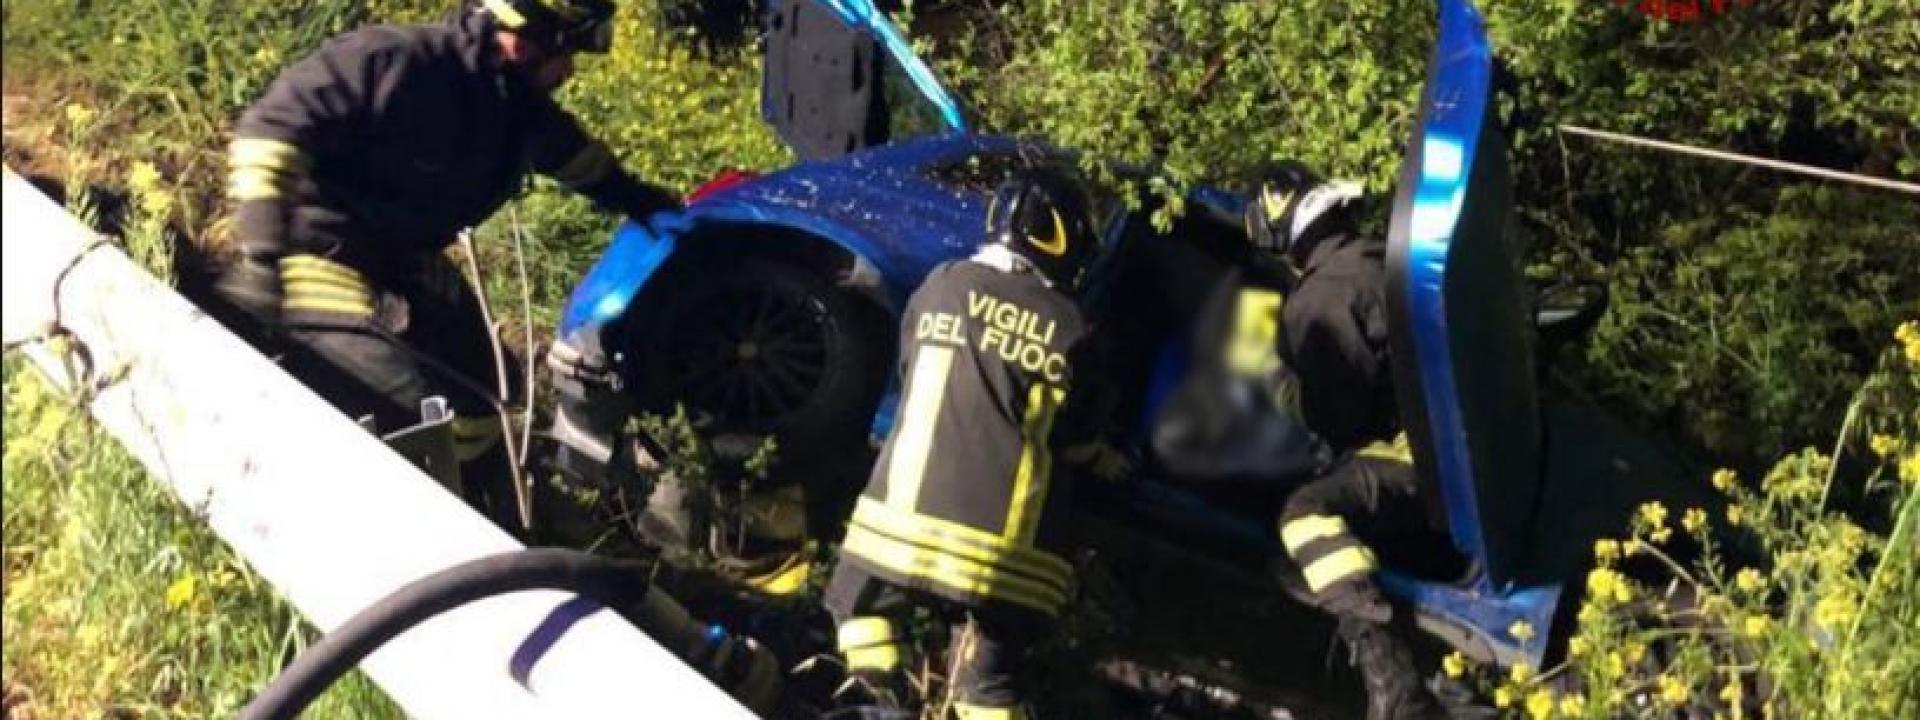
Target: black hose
[(616, 584)]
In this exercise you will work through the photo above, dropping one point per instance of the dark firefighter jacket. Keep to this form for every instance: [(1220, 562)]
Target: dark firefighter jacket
[(388, 140), (956, 501)]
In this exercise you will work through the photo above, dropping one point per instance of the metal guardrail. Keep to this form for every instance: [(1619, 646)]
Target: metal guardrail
[(325, 512)]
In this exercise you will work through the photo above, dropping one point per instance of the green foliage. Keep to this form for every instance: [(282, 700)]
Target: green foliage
[(119, 602), (1207, 90), (1826, 624), (1745, 324)]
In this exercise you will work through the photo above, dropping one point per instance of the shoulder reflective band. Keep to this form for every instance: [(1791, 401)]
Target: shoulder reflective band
[(262, 169)]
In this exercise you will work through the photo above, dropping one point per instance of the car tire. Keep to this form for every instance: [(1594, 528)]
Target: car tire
[(759, 347)]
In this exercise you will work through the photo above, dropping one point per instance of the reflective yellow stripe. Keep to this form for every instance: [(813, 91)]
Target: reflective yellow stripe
[(869, 643), (263, 168), (267, 154), (1396, 451), (1336, 566), (252, 184), (1256, 325), (926, 391), (790, 578), (586, 167), (883, 658), (1031, 479), (864, 631), (1300, 531), (316, 284), (347, 279), (970, 542), (967, 711), (502, 10), (316, 263), (952, 571), (314, 304), (327, 288)]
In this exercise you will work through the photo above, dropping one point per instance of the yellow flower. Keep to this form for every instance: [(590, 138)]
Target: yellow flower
[(1573, 705), (1521, 631), (1654, 513), (1454, 664), (180, 593), (1520, 673), (1579, 647), (79, 115), (1884, 445), (1503, 697), (1910, 468), (1735, 515), (144, 178), (1607, 585), (1540, 704), (1661, 536), (1606, 551), (1636, 651), (1672, 690), (1756, 626), (1909, 336), (1731, 692), (1749, 579), (1616, 665), (1834, 610), (1694, 520), (1724, 480)]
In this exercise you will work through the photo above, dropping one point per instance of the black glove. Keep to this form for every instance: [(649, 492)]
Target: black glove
[(252, 286), (637, 199)]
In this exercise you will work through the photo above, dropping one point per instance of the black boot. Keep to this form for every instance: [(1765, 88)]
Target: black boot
[(1394, 690)]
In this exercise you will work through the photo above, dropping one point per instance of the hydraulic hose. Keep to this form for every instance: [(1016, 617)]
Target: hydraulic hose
[(742, 667)]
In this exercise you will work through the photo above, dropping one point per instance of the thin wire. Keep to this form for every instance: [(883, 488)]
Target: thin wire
[(530, 381), (1782, 165), (521, 491)]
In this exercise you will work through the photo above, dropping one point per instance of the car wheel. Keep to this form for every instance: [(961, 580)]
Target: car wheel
[(762, 347)]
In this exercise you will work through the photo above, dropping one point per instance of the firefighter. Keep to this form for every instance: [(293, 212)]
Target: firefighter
[(960, 512), (1363, 506), (362, 163)]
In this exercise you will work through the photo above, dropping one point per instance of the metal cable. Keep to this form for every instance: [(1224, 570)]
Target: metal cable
[(1771, 164)]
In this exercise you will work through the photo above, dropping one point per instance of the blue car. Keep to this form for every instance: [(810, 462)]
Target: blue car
[(770, 306)]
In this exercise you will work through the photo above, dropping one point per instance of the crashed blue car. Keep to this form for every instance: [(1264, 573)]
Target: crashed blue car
[(770, 307)]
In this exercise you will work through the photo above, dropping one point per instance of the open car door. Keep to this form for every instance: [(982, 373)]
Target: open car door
[(1459, 317), (824, 86)]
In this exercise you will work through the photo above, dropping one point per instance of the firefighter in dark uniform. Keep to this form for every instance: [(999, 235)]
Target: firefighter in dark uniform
[(363, 162), (1364, 505), (960, 511)]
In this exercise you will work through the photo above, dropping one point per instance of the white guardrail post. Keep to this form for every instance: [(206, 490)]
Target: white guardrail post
[(320, 508)]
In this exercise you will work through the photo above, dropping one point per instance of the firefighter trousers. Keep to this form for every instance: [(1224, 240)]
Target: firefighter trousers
[(988, 643), (377, 345), (1366, 512)]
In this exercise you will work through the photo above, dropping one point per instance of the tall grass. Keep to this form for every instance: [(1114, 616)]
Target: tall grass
[(118, 601)]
